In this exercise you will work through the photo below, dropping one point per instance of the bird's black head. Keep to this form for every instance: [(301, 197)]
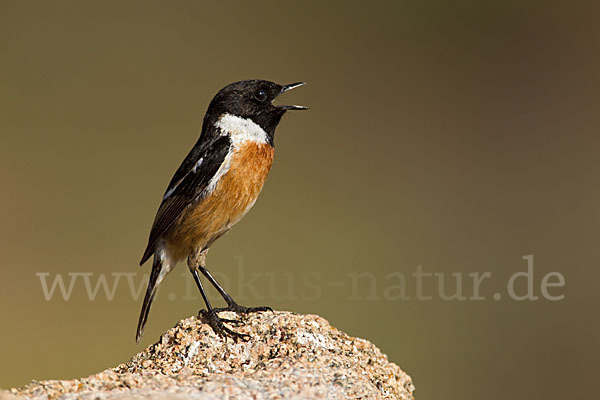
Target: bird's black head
[(252, 99)]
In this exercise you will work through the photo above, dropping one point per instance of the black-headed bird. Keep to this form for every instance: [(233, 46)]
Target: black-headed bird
[(215, 186)]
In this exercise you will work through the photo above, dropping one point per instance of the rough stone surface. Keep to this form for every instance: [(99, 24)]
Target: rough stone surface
[(289, 356)]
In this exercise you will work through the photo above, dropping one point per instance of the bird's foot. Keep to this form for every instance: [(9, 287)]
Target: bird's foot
[(235, 307), (218, 325)]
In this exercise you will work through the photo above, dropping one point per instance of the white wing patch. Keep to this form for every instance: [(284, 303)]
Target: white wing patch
[(170, 192), (198, 164), (193, 170), (220, 172)]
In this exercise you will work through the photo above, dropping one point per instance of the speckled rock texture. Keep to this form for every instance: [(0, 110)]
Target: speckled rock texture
[(289, 356)]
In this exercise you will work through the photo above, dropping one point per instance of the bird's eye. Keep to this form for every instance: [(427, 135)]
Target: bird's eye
[(261, 96)]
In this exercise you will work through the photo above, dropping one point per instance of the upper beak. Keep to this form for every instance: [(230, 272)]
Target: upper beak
[(286, 88)]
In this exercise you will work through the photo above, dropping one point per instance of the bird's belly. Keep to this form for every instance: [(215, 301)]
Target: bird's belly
[(232, 197)]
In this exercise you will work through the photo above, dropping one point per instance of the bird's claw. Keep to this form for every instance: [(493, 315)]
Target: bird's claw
[(218, 326), (242, 310)]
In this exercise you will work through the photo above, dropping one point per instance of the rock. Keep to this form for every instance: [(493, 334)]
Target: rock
[(289, 356), (9, 396)]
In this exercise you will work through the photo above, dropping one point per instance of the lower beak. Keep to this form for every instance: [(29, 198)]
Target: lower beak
[(289, 87)]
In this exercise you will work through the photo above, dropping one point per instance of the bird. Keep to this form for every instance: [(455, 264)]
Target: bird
[(217, 183)]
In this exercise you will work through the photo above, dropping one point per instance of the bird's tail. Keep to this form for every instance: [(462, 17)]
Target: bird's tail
[(150, 292)]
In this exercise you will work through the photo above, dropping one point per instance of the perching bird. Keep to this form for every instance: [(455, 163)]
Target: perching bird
[(215, 186)]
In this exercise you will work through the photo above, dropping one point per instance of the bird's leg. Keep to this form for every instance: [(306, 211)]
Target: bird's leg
[(210, 314), (231, 304)]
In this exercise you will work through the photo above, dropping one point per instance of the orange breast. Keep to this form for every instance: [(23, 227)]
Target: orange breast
[(232, 197)]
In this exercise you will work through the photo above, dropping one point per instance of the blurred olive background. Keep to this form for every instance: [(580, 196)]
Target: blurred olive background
[(460, 136)]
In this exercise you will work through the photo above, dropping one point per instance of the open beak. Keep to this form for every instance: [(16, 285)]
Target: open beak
[(289, 87)]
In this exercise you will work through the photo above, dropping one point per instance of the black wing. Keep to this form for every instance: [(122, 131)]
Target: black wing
[(190, 180)]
